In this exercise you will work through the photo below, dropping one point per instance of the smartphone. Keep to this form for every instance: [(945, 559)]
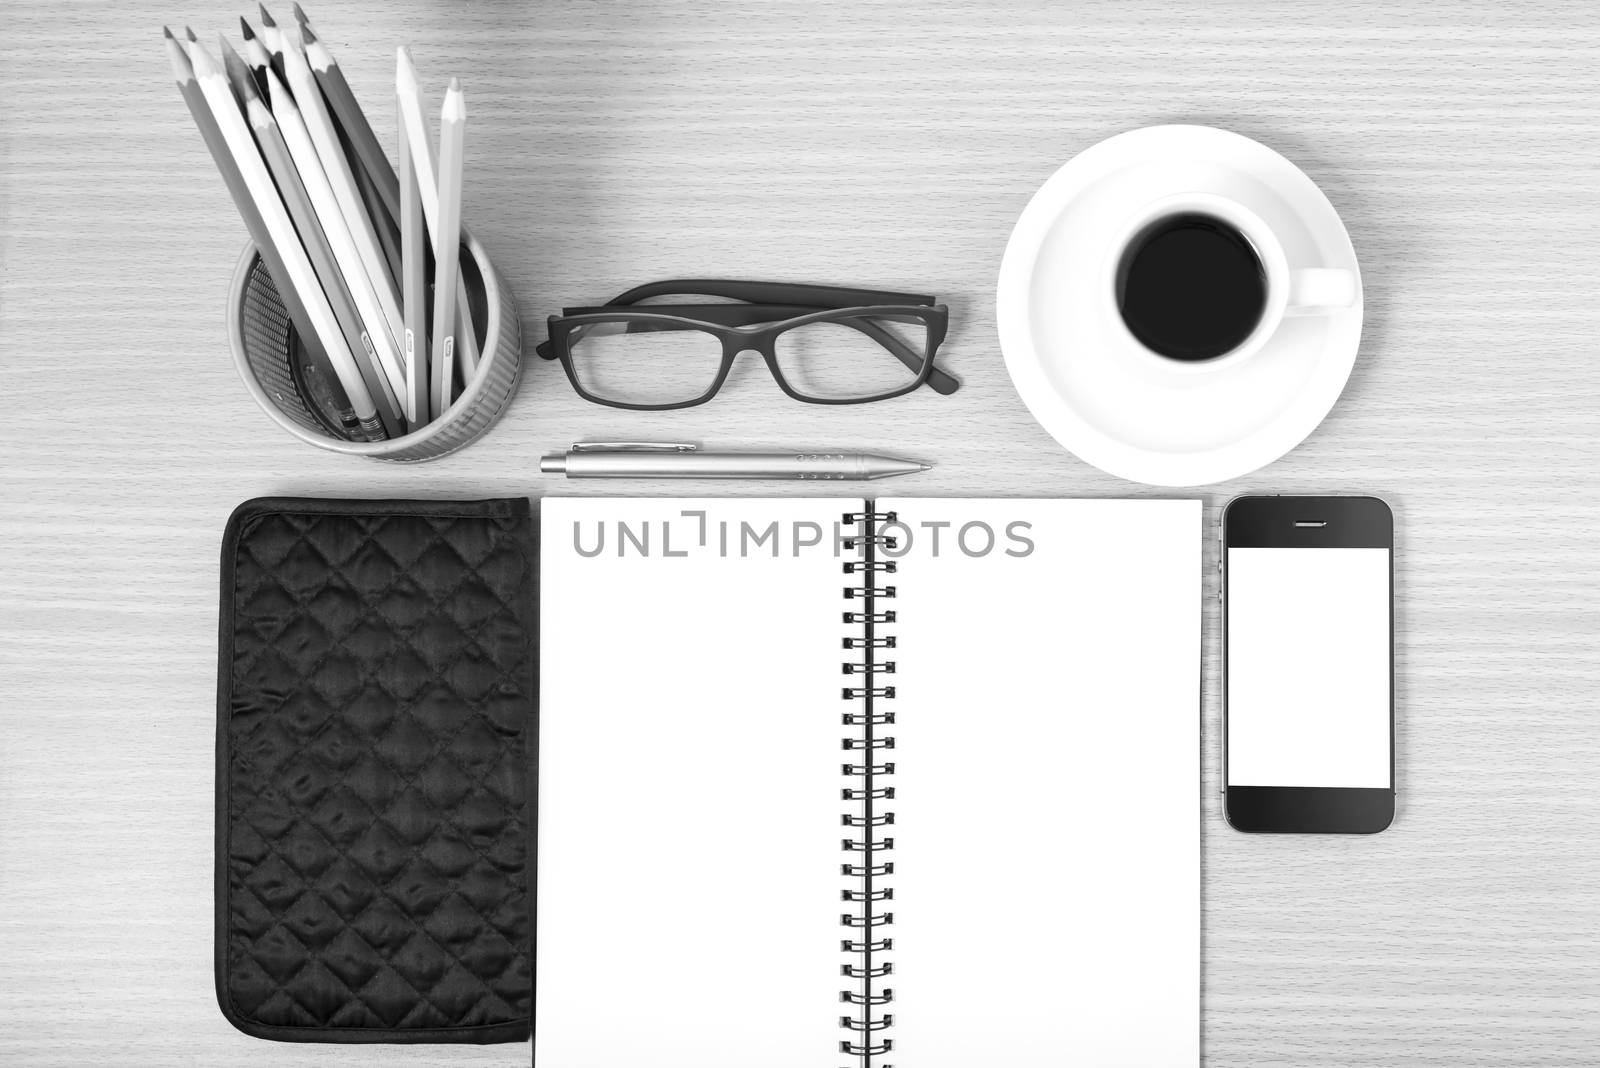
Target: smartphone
[(1308, 664)]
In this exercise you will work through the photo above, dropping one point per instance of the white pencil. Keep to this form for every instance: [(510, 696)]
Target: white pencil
[(271, 34), (375, 333), (413, 286), (412, 109), (225, 110), (452, 139), (409, 95), (314, 112)]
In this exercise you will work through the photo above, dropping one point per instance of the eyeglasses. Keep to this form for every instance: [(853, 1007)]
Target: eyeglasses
[(824, 344)]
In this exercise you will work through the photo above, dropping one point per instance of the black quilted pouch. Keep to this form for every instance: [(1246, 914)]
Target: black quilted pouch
[(376, 704)]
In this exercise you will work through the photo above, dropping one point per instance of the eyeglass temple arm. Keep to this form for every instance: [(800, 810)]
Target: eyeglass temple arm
[(772, 293), (941, 382)]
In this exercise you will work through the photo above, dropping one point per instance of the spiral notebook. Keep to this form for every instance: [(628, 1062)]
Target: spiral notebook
[(834, 783)]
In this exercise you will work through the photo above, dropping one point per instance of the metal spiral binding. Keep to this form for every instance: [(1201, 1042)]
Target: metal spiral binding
[(867, 964)]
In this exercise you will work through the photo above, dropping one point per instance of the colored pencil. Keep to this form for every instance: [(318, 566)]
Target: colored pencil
[(452, 138), (272, 39), (269, 138), (374, 174), (412, 109), (383, 225), (308, 99), (255, 54), (368, 149), (302, 150), (179, 51), (216, 112), (413, 284)]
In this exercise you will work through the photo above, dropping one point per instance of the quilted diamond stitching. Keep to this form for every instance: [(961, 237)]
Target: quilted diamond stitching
[(418, 951)]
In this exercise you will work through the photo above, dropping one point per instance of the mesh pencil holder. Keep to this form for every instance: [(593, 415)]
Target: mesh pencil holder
[(265, 349)]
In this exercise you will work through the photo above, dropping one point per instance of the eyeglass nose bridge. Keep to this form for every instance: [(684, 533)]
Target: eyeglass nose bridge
[(743, 339)]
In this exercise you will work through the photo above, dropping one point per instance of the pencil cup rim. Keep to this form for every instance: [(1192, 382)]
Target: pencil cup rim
[(471, 415)]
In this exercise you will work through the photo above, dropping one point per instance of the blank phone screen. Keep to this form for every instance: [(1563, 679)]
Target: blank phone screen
[(1308, 667)]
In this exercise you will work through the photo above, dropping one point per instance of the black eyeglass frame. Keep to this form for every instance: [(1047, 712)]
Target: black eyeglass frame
[(771, 309)]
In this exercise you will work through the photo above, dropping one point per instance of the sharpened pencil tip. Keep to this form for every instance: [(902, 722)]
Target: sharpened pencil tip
[(927, 467), (182, 69), (455, 104), (306, 32), (244, 27), (300, 14), (166, 31), (235, 63), (188, 31), (204, 65), (266, 16)]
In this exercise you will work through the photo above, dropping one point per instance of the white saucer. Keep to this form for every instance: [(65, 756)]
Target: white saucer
[(1116, 407)]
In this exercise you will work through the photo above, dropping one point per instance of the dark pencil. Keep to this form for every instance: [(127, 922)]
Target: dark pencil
[(253, 48), (387, 229), (272, 40), (357, 131)]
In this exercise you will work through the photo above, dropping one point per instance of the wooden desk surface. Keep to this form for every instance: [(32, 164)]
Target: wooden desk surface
[(872, 144)]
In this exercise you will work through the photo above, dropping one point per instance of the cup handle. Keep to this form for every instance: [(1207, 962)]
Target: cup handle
[(1318, 290)]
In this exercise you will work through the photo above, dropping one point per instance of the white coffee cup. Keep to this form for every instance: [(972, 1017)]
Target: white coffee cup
[(1291, 289)]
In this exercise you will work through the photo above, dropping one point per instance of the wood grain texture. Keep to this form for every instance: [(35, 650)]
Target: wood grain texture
[(878, 145)]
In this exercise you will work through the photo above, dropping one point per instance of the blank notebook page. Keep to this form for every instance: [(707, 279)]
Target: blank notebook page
[(689, 785), (1046, 809), (1047, 806)]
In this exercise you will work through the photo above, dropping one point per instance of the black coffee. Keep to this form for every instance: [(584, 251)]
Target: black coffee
[(1190, 287)]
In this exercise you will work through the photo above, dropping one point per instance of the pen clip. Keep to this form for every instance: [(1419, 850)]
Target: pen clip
[(631, 446)]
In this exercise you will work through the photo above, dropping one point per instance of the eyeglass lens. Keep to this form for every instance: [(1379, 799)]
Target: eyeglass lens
[(847, 359), (643, 362)]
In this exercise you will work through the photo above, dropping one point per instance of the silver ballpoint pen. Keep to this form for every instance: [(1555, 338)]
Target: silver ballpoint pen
[(629, 459)]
